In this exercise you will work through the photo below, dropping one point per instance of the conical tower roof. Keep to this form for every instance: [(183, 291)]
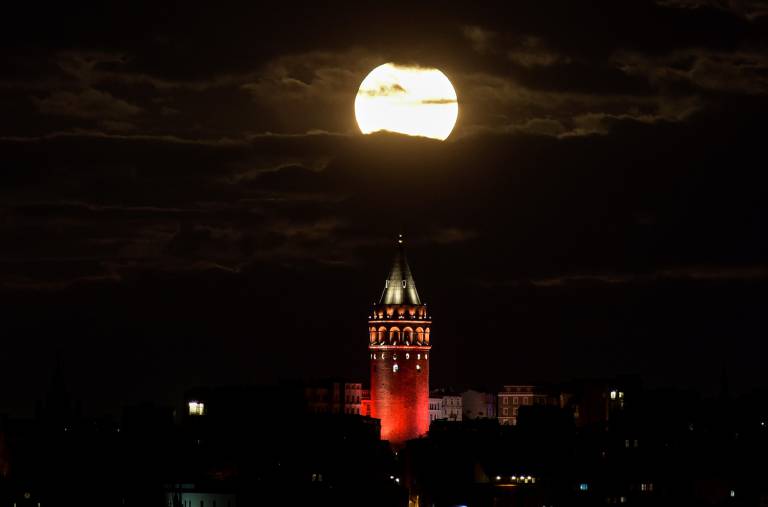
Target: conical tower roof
[(399, 288)]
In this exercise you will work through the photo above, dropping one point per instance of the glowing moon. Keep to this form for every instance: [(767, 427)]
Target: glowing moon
[(416, 101)]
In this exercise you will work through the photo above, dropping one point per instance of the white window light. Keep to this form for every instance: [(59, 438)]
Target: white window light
[(395, 368), (407, 355), (613, 395), (196, 408)]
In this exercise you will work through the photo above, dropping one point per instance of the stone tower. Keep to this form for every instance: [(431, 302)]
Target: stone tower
[(399, 345)]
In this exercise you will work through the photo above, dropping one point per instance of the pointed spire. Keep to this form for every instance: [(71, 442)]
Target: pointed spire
[(399, 288)]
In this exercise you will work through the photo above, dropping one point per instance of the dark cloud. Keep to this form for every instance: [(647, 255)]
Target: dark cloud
[(311, 179), (690, 273), (439, 101), (752, 10), (704, 71), (86, 104), (383, 90)]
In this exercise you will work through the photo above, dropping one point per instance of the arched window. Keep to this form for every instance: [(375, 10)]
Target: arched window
[(394, 334), (373, 334), (382, 334), (419, 334), (426, 336), (395, 368), (408, 335)]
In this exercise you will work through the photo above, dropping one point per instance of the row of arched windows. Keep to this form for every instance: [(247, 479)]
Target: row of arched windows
[(383, 355), (395, 335), (403, 311)]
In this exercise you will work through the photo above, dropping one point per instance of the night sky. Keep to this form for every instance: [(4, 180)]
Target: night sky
[(186, 199)]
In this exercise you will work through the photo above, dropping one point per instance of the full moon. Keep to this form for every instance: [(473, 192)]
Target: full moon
[(416, 101)]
